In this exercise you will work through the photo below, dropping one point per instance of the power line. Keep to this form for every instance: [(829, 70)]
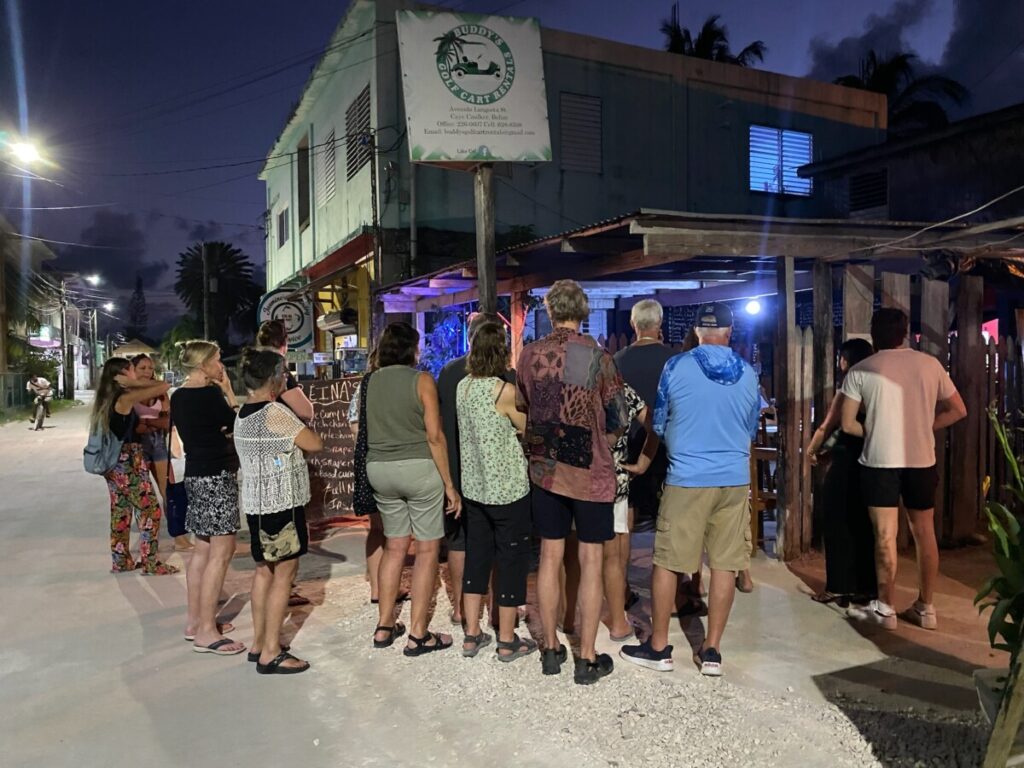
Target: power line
[(998, 64), (276, 70), (77, 245), (57, 207), (538, 203)]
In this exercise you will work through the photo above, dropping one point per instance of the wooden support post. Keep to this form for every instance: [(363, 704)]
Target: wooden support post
[(806, 337), (969, 377), (787, 347), (518, 300), (487, 275), (935, 341), (824, 371), (421, 327), (896, 291), (858, 301)]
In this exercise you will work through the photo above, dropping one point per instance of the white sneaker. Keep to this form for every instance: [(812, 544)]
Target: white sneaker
[(922, 615), (875, 612)]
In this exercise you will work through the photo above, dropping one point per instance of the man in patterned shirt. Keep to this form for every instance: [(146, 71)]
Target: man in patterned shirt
[(575, 408)]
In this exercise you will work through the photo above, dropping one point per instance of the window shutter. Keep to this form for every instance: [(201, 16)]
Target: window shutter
[(326, 170), (869, 190), (580, 118), (775, 156), (357, 127)]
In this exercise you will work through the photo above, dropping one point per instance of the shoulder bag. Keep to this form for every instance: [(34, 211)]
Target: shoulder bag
[(176, 501), (285, 543), (363, 502)]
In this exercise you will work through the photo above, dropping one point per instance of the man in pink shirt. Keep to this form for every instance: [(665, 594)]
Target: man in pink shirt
[(905, 397)]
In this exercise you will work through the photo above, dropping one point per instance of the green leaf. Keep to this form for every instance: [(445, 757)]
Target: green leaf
[(985, 590), (996, 620), (1011, 571)]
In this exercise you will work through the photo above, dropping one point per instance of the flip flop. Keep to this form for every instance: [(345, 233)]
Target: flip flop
[(224, 629), (215, 648), (295, 599), (254, 656), (275, 668), (825, 597), (622, 638)]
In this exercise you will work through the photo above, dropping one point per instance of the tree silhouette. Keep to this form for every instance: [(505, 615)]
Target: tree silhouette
[(915, 103), (138, 318), (234, 295), (711, 43)]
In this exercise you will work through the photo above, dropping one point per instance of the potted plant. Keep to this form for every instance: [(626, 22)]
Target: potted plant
[(1003, 593)]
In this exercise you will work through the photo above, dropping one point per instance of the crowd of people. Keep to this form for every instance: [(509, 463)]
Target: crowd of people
[(570, 449)]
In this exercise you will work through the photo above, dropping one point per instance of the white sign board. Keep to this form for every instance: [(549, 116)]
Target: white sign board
[(296, 314), (474, 87)]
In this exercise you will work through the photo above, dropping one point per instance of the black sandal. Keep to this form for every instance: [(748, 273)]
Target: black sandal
[(254, 656), (395, 631), (421, 647), (275, 668), (402, 597)]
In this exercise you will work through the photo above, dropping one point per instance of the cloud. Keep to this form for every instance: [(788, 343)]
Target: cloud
[(984, 50), (117, 252), (883, 33)]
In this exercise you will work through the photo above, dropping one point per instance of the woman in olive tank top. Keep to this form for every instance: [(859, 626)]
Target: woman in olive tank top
[(407, 466)]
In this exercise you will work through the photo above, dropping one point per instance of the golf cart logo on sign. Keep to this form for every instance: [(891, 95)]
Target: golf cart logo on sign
[(475, 64)]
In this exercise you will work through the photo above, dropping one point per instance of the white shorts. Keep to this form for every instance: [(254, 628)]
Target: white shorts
[(621, 512)]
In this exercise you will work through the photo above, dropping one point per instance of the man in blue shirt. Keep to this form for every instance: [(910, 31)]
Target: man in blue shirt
[(707, 412)]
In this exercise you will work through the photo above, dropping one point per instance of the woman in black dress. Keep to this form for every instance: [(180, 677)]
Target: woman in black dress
[(848, 536)]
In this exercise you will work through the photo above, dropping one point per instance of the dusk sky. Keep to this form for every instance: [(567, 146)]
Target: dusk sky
[(116, 88)]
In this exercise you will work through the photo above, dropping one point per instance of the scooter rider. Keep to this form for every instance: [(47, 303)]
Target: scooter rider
[(40, 387)]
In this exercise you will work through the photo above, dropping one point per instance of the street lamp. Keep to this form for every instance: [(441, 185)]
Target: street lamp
[(93, 280), (109, 306), (25, 152)]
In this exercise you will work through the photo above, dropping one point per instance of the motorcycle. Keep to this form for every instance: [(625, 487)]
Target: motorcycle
[(42, 405)]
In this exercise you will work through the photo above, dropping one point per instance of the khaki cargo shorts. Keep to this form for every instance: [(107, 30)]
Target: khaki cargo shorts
[(691, 520)]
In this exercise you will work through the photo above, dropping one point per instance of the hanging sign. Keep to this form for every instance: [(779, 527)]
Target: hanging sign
[(296, 315), (474, 87)]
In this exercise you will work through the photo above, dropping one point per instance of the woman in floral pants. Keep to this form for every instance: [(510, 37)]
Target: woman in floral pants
[(128, 482)]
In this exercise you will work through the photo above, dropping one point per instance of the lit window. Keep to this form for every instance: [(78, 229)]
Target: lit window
[(775, 155)]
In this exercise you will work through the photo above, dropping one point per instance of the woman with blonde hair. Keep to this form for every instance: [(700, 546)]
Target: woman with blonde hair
[(128, 482), (204, 416)]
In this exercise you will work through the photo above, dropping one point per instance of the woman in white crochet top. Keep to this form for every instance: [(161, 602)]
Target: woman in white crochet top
[(270, 441)]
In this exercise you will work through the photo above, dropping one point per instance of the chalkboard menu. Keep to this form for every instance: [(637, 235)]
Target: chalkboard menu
[(330, 471)]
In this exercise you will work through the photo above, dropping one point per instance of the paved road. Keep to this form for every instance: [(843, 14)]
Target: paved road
[(94, 671)]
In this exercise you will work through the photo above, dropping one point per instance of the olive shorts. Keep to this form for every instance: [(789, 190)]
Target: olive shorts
[(410, 498), (692, 520)]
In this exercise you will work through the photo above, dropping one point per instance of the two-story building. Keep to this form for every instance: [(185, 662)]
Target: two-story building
[(631, 127)]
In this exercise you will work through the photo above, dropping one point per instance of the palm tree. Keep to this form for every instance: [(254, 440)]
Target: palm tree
[(449, 48), (234, 295), (915, 103), (711, 43)]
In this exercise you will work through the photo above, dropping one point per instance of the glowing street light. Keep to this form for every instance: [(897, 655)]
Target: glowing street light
[(109, 306), (753, 307), (25, 152), (92, 279)]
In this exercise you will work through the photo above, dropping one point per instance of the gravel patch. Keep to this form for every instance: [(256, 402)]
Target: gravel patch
[(634, 717)]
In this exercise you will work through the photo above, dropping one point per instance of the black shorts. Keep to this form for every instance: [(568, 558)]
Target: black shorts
[(645, 490), (885, 487), (273, 523), (554, 515)]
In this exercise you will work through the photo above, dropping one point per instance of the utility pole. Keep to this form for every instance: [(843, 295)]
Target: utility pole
[(206, 294), (94, 339), (65, 341), (3, 308), (486, 272)]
